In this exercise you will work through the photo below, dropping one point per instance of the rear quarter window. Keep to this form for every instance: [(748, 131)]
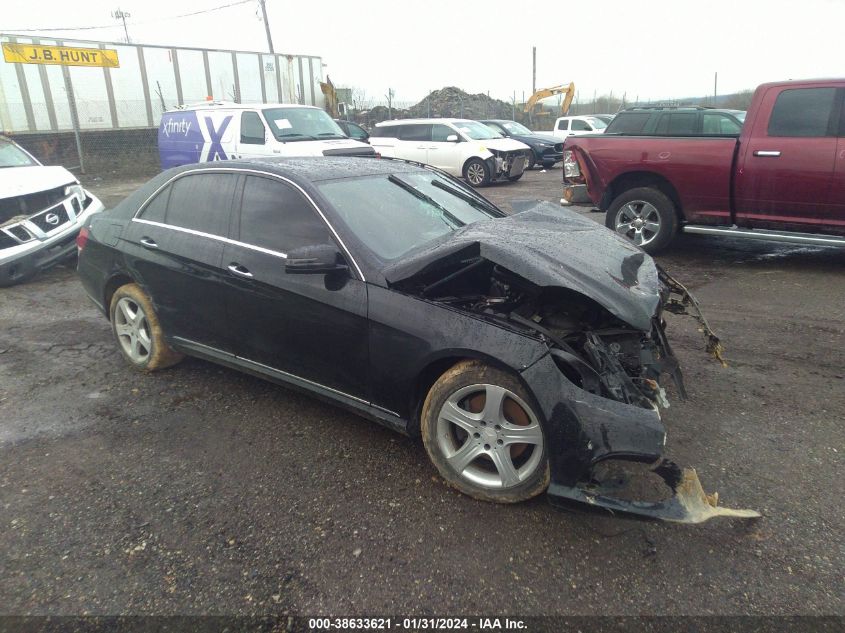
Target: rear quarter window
[(628, 123), (385, 131)]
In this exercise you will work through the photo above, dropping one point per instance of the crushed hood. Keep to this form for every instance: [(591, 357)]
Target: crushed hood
[(20, 181), (551, 247)]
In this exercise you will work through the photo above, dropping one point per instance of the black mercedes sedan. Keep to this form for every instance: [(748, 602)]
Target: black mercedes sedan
[(525, 350), (546, 150)]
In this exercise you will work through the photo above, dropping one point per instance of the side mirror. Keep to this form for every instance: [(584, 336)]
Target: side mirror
[(452, 138), (317, 259)]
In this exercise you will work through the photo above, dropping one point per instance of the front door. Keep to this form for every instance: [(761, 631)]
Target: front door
[(309, 326), (253, 137), (787, 166), (443, 154)]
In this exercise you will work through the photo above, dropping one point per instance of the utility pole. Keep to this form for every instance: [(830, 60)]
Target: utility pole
[(267, 25), (533, 69), (715, 87), (119, 14)]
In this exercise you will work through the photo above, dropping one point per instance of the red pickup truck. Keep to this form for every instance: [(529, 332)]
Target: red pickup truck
[(783, 179)]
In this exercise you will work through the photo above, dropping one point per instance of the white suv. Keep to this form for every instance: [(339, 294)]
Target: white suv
[(41, 211), (578, 125), (463, 148)]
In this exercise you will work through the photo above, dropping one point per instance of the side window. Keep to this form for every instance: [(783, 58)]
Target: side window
[(682, 124), (274, 215), (802, 112), (385, 131), (715, 124), (440, 132), (580, 126), (252, 129), (563, 125), (628, 123), (419, 132), (202, 202), (157, 207), (356, 131)]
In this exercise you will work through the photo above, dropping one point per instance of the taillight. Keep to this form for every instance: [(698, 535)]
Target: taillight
[(82, 239), (571, 169)]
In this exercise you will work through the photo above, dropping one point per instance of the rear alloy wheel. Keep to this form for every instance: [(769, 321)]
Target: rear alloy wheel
[(477, 173), (483, 436), (644, 215), (137, 330)]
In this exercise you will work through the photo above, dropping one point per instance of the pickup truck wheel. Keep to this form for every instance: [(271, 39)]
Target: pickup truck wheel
[(477, 173), (482, 434), (645, 216)]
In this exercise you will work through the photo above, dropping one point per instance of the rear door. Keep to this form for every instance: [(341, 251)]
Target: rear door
[(414, 140), (175, 248), (837, 187), (310, 326), (786, 175)]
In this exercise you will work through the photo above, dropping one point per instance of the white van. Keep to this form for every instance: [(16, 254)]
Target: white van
[(463, 148), (216, 130)]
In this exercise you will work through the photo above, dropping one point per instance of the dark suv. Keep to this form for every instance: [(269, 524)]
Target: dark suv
[(676, 121)]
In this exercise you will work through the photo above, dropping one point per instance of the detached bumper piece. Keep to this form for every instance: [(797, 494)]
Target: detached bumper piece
[(688, 503)]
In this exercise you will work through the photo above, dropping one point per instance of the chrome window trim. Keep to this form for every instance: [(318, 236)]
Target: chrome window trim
[(232, 170), (211, 236)]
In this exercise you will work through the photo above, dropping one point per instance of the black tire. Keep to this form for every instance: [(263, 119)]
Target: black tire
[(465, 383), (653, 208), (531, 162), (158, 353), (471, 169), (548, 164)]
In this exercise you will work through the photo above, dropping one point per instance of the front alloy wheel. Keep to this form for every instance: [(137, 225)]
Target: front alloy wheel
[(477, 173), (483, 436)]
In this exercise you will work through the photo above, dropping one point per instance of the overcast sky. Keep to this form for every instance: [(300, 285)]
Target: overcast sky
[(651, 49)]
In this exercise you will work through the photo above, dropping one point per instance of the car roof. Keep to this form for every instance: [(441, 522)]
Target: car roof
[(308, 169), (226, 105), (423, 121)]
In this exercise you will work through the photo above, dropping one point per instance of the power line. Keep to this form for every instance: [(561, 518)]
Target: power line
[(111, 26)]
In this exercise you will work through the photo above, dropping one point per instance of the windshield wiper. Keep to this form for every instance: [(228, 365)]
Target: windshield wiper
[(331, 135), (297, 134), (425, 198), (469, 199)]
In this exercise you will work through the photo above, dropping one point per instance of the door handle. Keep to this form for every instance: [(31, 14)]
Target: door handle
[(239, 270), (148, 242), (770, 153)]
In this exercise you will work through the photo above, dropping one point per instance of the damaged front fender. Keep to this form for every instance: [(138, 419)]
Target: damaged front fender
[(583, 430)]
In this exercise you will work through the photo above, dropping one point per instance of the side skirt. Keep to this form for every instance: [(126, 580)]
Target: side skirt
[(387, 418)]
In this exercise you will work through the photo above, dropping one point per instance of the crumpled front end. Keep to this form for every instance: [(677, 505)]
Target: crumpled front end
[(601, 395)]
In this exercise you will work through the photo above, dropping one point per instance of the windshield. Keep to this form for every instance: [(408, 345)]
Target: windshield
[(596, 122), (13, 156), (395, 214), (476, 131), (301, 124), (516, 128)]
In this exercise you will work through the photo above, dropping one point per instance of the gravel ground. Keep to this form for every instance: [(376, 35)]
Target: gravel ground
[(202, 490)]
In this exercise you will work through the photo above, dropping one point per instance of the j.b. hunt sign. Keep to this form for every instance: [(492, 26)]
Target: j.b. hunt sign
[(61, 55)]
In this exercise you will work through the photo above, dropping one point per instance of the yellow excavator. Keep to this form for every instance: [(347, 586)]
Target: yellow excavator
[(333, 107), (532, 106)]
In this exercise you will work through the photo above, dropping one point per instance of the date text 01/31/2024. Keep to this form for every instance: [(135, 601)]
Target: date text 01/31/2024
[(416, 624)]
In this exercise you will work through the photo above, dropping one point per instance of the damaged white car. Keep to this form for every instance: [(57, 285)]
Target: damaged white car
[(41, 211)]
